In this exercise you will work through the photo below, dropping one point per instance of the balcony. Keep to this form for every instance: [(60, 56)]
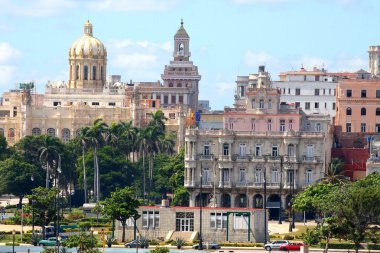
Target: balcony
[(310, 159), (189, 183), (241, 158), (205, 157), (225, 158), (225, 184)]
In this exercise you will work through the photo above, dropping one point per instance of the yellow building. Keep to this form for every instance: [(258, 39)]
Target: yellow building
[(65, 107)]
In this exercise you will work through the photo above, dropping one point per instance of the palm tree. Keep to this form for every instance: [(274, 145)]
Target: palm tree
[(84, 140), (48, 153), (158, 119), (128, 139), (167, 143), (334, 173), (96, 137)]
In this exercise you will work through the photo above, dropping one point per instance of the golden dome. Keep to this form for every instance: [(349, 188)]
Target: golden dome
[(88, 45)]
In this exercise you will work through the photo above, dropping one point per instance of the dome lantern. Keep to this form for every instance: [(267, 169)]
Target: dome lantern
[(88, 28)]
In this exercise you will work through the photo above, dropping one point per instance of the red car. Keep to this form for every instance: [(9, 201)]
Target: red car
[(292, 246)]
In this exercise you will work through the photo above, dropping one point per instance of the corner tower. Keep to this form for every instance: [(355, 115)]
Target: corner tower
[(87, 62), (181, 72)]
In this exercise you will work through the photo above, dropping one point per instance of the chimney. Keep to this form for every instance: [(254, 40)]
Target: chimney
[(164, 203), (261, 68)]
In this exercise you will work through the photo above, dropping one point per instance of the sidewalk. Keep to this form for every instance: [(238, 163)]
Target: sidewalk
[(275, 228)]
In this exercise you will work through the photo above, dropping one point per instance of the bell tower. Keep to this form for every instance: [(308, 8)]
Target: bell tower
[(181, 75)]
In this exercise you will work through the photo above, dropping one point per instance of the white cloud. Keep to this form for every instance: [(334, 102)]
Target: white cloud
[(132, 5), (136, 60), (225, 89), (8, 53), (6, 75), (253, 59)]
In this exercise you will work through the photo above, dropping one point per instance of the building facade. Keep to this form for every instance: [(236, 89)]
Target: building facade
[(65, 107), (218, 224), (263, 144)]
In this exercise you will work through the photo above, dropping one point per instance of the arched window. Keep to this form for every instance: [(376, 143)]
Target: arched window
[(179, 85), (226, 149), (261, 105), (51, 132), (101, 73), (180, 49), (93, 72), (85, 72), (377, 111), (348, 111), (225, 200), (170, 85), (1, 131), (77, 72), (11, 133), (257, 201), (253, 103), (36, 131), (270, 103), (291, 150), (241, 200), (65, 135), (363, 111)]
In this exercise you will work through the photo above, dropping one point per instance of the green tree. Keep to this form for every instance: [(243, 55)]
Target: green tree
[(4, 152), (181, 197), (335, 172), (18, 178), (158, 119), (121, 206), (49, 153), (82, 241), (43, 200)]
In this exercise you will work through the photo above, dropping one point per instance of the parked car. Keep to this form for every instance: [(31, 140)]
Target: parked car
[(291, 246), (275, 244), (51, 241), (142, 243), (210, 245)]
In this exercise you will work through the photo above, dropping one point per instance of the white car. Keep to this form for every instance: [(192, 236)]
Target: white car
[(275, 244)]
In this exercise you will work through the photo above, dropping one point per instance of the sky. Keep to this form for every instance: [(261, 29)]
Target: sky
[(227, 38)]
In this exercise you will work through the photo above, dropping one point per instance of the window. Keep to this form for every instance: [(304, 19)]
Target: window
[(170, 84), (93, 72), (316, 92), (298, 104), (101, 73), (363, 127), (242, 150), (333, 105), (166, 99), (240, 221), (225, 175), (298, 91), (377, 128), (288, 90), (65, 135), (242, 175), (318, 127), (261, 105), (180, 99), (226, 149), (172, 115), (77, 72), (179, 85), (1, 131), (290, 124), (377, 111), (151, 219), (307, 127), (377, 93), (316, 105), (290, 176), (324, 91), (258, 173), (51, 132), (290, 150), (111, 104), (269, 125), (95, 103), (206, 149), (270, 104), (274, 151), (253, 103), (253, 124), (173, 100), (309, 150), (348, 127), (242, 91), (86, 72), (218, 220), (329, 91), (258, 150), (309, 177), (275, 176), (348, 93), (11, 132), (56, 103), (36, 131), (282, 125), (325, 105), (307, 106), (363, 111), (206, 175), (348, 111), (363, 93)]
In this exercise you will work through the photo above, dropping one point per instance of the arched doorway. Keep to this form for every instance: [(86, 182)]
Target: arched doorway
[(258, 201), (241, 200), (205, 199), (225, 200), (273, 204)]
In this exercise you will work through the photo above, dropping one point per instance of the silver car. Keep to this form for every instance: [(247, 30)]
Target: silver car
[(275, 244)]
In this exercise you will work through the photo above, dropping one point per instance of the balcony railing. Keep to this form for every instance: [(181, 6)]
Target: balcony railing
[(205, 157), (225, 184), (224, 158), (310, 159)]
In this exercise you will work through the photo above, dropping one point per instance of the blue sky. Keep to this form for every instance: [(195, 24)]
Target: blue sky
[(228, 38)]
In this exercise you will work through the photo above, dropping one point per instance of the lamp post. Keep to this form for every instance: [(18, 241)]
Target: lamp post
[(265, 206), (291, 211), (13, 244), (22, 221), (200, 213), (280, 209)]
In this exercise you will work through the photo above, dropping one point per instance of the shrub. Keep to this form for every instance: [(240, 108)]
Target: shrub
[(373, 247), (85, 226), (169, 241), (338, 245), (179, 242), (154, 242), (288, 237), (160, 250), (311, 236)]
